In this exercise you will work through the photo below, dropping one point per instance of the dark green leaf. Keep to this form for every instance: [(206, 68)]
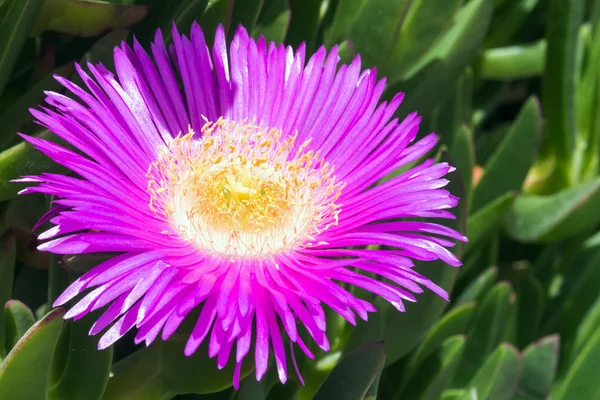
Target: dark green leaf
[(353, 376), (217, 12), (425, 22), (463, 154), (536, 218), (580, 381), (507, 168), (246, 12), (18, 319), (274, 20), (449, 358), (14, 29), (531, 304), (488, 330), (564, 19), (539, 366), (499, 375), (86, 17), (32, 354), (305, 23), (184, 16), (367, 332), (7, 270), (478, 287), (79, 370), (163, 371), (488, 219)]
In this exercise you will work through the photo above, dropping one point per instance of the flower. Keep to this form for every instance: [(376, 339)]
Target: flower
[(242, 182)]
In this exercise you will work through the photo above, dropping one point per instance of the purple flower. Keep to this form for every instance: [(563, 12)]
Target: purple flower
[(240, 181)]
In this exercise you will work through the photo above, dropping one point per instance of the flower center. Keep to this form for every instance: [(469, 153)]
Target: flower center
[(243, 191)]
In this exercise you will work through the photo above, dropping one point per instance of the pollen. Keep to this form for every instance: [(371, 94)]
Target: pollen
[(241, 190)]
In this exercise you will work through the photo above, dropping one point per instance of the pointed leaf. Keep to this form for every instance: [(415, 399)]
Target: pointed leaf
[(539, 366), (478, 287), (274, 20), (536, 218), (14, 28), (507, 168), (487, 220), (353, 376), (18, 319), (32, 354), (499, 376), (450, 355), (488, 330), (463, 154)]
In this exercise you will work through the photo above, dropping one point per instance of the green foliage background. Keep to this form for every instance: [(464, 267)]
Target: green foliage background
[(513, 89)]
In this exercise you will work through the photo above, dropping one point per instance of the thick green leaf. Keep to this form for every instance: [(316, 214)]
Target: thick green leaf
[(499, 376), (346, 13), (373, 27), (513, 62), (478, 287), (508, 19), (531, 303), (539, 366), (18, 319), (453, 323), (353, 376), (246, 12), (426, 21), (581, 379), (449, 358), (536, 218), (507, 168), (79, 370), (455, 112), (217, 12), (586, 329), (366, 332), (487, 220), (17, 115), (304, 24), (86, 17), (183, 17), (7, 271), (24, 159), (274, 20), (488, 330), (463, 154), (23, 374), (163, 371), (403, 331), (14, 29), (564, 19)]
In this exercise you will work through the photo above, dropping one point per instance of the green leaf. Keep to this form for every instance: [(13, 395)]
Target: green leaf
[(536, 218), (539, 366), (7, 271), (507, 168), (558, 83), (274, 21), (15, 116), (217, 12), (366, 332), (425, 22), (23, 374), (453, 323), (580, 381), (531, 303), (586, 329), (79, 370), (18, 319), (353, 376), (246, 12), (488, 330), (304, 24), (499, 376), (163, 371), (478, 287), (455, 112), (24, 159), (403, 331), (183, 17), (508, 19), (14, 28), (463, 154), (86, 17), (450, 355), (513, 62), (487, 220)]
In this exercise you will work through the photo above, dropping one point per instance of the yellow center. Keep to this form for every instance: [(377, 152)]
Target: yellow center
[(243, 191)]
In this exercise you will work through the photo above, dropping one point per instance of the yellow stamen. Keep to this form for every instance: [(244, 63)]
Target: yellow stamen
[(243, 191)]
